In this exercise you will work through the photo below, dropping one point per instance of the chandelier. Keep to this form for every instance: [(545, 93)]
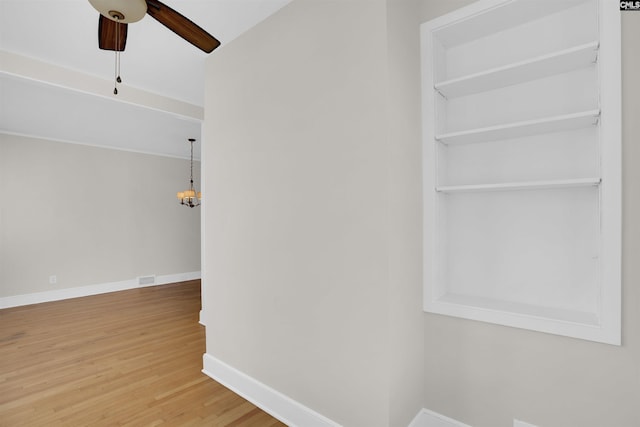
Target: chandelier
[(190, 197)]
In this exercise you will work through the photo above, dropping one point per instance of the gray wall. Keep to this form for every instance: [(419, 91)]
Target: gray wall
[(298, 264), (313, 244), (404, 238), (90, 216)]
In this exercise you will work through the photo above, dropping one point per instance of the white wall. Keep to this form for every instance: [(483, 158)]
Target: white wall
[(90, 216)]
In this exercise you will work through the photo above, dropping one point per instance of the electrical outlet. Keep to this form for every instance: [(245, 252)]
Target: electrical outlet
[(53, 279)]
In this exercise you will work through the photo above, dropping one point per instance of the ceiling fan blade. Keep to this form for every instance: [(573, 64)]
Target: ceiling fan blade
[(112, 35), (182, 26)]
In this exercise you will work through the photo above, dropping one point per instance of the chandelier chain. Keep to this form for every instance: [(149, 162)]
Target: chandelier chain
[(191, 164)]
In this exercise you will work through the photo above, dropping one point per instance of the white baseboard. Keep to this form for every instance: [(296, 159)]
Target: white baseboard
[(83, 291), (282, 407), (175, 278), (427, 418)]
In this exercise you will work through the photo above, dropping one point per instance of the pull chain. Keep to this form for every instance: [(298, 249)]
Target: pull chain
[(117, 67)]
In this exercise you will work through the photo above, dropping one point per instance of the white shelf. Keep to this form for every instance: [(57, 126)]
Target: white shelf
[(519, 309), (526, 185), (501, 16), (523, 71), (520, 129)]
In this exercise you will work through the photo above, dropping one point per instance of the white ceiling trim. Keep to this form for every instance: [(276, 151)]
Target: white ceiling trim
[(186, 156), (40, 71)]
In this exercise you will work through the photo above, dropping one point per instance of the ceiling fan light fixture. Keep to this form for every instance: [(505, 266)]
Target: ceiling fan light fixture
[(116, 15), (125, 11)]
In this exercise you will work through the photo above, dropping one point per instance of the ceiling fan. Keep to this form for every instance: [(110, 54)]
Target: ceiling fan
[(116, 14)]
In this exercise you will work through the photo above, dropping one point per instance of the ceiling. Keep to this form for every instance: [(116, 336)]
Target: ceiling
[(58, 36)]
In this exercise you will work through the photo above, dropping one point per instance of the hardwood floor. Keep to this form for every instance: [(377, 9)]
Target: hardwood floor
[(130, 358)]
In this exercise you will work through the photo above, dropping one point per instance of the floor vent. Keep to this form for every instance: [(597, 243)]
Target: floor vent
[(146, 280)]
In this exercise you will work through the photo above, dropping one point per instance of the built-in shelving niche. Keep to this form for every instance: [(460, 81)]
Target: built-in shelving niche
[(521, 146)]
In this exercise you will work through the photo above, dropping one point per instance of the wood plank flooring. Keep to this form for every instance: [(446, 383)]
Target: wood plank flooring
[(130, 358)]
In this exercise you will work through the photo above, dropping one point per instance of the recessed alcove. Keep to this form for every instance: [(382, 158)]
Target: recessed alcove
[(521, 147)]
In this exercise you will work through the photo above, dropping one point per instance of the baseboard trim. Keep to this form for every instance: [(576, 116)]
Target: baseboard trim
[(175, 278), (83, 291), (282, 407), (427, 418)]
